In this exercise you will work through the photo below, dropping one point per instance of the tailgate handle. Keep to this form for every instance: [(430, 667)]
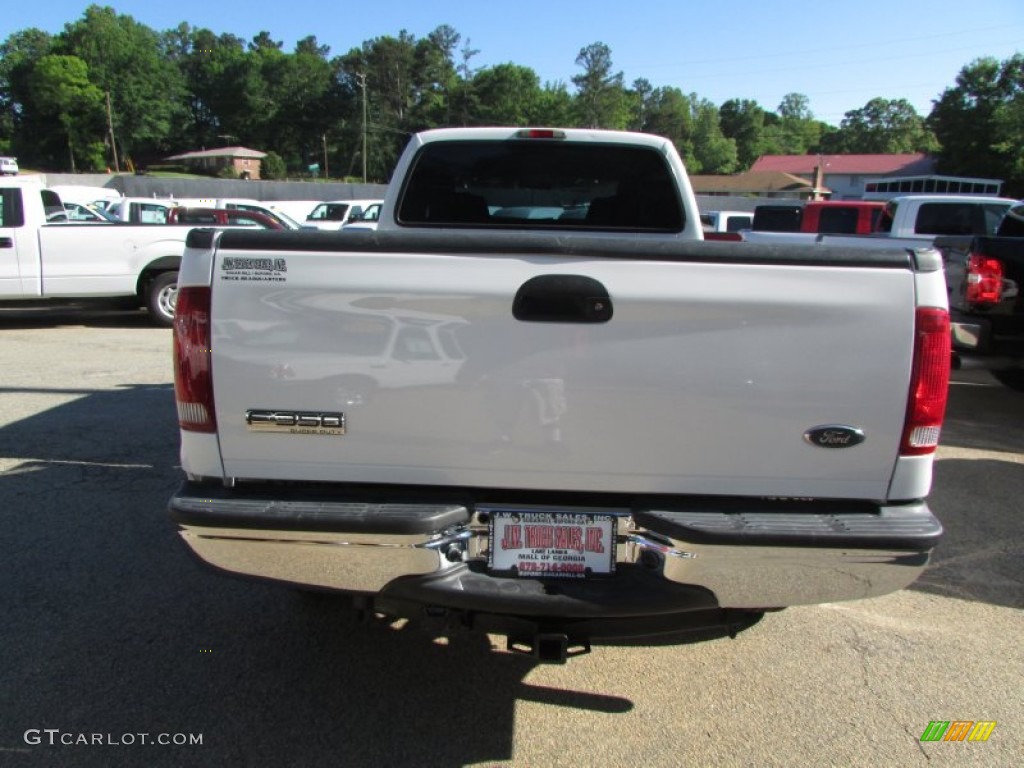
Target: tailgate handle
[(562, 299)]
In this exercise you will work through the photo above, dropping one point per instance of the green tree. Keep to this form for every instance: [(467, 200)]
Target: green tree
[(793, 131), (601, 100), (743, 121), (882, 126), (978, 122), (465, 100), (438, 76), (640, 95), (387, 66), (24, 131), (554, 107), (63, 91), (714, 151), (795, 106), (669, 113), (266, 70), (508, 94), (127, 60), (308, 102), (273, 167)]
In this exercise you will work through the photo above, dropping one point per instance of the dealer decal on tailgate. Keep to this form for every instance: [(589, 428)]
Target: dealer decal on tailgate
[(551, 544)]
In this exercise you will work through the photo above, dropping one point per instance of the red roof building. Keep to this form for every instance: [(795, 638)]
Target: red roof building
[(844, 175)]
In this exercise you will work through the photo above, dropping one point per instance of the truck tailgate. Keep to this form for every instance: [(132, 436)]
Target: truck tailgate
[(693, 376)]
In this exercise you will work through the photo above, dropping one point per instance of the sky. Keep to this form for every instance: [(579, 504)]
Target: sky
[(839, 55)]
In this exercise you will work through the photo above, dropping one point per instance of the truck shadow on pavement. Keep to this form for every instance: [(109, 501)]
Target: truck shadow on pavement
[(981, 556), (112, 628), (976, 493)]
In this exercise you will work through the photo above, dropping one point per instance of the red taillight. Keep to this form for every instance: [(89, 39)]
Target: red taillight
[(984, 280), (929, 382), (193, 376)]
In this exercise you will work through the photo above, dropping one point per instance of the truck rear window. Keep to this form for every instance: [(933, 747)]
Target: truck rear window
[(959, 218), (1012, 224), (539, 184), (777, 218), (838, 221), (12, 214)]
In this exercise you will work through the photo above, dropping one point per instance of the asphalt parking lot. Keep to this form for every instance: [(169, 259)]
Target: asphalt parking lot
[(111, 629)]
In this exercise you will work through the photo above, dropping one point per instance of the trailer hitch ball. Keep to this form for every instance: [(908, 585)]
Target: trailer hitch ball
[(650, 560)]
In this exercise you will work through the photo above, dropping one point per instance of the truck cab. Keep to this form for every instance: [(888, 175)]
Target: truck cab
[(335, 214), (141, 210), (726, 221), (928, 216)]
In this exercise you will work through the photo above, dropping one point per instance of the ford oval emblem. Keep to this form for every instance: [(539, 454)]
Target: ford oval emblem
[(834, 436)]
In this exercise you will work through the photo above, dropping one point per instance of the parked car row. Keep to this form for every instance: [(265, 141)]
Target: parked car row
[(99, 205)]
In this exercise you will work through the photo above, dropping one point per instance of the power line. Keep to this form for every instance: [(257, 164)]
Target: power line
[(804, 52)]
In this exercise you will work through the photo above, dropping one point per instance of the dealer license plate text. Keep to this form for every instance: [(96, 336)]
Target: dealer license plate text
[(551, 544)]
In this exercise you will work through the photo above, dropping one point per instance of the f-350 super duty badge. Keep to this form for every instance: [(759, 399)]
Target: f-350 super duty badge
[(295, 422)]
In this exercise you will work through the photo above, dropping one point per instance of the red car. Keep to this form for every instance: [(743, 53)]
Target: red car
[(221, 217)]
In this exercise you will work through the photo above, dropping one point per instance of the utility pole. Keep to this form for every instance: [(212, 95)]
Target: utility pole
[(110, 127), (327, 173), (362, 84)]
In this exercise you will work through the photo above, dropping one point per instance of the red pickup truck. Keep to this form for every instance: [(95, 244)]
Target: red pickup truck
[(832, 217)]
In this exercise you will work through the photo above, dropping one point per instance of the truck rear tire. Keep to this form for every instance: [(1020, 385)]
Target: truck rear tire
[(1011, 377), (161, 298)]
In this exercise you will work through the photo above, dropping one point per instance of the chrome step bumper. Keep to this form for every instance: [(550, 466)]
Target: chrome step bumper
[(747, 554)]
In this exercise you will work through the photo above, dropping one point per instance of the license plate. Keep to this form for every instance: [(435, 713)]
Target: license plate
[(551, 544)]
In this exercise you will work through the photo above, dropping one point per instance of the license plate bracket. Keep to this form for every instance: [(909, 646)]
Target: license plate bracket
[(551, 544)]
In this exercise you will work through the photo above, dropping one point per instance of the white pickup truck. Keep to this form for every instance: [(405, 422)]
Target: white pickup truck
[(333, 215), (534, 402), (929, 216), (43, 260), (726, 221)]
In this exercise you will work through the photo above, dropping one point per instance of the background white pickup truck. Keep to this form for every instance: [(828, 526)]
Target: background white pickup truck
[(332, 215), (41, 260), (928, 216), (726, 221), (575, 420)]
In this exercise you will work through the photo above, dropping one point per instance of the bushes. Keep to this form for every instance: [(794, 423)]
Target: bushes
[(168, 168), (273, 167)]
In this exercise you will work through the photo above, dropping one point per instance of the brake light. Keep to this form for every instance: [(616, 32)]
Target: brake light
[(984, 280), (193, 375), (540, 133), (929, 382)]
